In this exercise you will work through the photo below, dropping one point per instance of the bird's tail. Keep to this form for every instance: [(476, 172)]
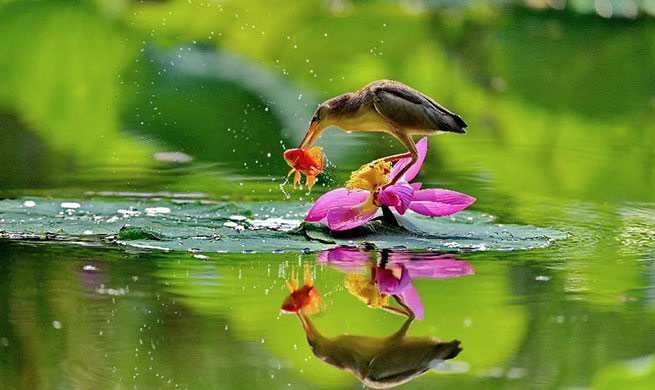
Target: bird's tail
[(453, 123), (444, 351), (451, 349)]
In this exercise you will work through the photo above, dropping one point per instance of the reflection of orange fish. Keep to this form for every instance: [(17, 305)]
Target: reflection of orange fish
[(308, 162), (306, 300)]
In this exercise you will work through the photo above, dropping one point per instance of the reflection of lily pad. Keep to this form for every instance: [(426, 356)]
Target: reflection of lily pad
[(248, 227)]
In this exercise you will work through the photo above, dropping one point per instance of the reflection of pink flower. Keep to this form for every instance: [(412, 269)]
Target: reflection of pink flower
[(344, 209), (390, 284), (439, 267), (346, 259), (399, 270)]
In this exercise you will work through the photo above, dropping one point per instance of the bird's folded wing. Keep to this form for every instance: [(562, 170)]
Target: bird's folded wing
[(412, 109), (409, 359)]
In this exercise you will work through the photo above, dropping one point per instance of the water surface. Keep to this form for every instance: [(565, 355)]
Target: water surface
[(187, 101)]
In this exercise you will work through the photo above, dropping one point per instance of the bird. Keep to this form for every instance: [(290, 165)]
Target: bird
[(380, 362), (385, 106)]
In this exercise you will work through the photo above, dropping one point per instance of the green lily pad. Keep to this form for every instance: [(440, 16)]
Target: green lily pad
[(201, 226)]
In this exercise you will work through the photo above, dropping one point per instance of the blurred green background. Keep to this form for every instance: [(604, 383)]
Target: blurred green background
[(200, 98), (90, 91)]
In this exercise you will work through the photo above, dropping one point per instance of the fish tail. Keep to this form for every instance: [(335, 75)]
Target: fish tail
[(294, 279), (315, 154), (309, 281), (311, 179)]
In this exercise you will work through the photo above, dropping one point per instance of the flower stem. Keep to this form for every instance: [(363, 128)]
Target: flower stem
[(388, 217)]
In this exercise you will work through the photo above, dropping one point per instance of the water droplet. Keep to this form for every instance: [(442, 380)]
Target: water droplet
[(153, 211)]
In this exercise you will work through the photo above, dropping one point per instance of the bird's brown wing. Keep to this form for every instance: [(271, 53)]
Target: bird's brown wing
[(411, 357), (410, 109)]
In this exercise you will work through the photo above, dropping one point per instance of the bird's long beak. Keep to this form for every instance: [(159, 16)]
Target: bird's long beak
[(309, 137)]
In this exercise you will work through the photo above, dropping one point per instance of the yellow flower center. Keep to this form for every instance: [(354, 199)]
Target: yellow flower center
[(365, 289), (370, 177)]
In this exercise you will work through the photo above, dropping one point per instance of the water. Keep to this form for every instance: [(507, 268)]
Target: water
[(121, 124), (568, 316)]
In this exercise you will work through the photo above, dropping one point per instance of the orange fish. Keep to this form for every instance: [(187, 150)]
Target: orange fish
[(308, 162), (306, 300)]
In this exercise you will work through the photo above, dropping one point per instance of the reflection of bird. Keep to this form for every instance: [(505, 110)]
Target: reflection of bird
[(380, 362), (386, 106)]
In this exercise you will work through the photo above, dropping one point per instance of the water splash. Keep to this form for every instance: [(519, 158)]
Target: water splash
[(284, 183)]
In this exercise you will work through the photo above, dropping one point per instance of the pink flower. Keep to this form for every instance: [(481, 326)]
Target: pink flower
[(347, 208)]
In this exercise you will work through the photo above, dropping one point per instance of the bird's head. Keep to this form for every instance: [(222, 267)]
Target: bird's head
[(321, 117)]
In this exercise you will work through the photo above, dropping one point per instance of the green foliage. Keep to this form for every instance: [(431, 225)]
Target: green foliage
[(60, 65), (637, 374)]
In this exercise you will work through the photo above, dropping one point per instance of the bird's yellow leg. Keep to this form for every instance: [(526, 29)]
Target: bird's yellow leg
[(395, 310), (400, 333), (409, 312), (396, 157), (407, 140)]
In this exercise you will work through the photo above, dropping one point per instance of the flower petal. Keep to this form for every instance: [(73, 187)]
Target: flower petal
[(412, 299), (439, 202), (335, 198), (438, 269), (346, 259), (403, 288), (398, 195), (386, 281), (389, 284), (348, 217), (422, 148)]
